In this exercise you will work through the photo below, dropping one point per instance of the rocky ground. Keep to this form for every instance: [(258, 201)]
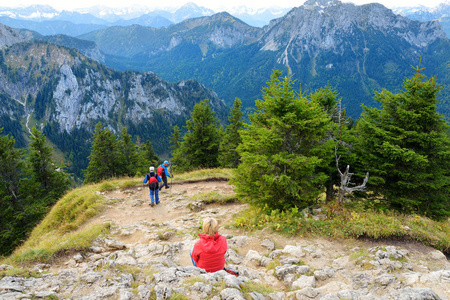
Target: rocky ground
[(146, 256)]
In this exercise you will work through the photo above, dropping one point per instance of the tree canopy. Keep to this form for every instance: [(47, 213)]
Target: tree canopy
[(405, 146)]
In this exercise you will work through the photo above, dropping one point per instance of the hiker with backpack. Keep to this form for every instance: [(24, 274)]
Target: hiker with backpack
[(164, 173), (153, 181)]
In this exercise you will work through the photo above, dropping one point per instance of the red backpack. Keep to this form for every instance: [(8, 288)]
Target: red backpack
[(160, 171), (152, 182)]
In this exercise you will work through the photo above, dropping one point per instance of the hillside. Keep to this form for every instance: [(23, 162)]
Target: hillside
[(65, 94), (145, 255)]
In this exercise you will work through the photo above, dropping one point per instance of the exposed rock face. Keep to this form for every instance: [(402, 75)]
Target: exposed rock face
[(332, 25), (76, 92), (9, 36), (155, 266), (223, 30)]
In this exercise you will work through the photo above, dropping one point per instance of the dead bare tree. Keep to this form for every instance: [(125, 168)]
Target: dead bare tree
[(346, 180)]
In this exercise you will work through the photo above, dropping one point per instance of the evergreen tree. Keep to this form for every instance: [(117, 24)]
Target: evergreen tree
[(340, 135), (228, 157), (147, 157), (130, 159), (200, 145), (175, 138), (52, 181), (11, 170), (105, 158), (405, 146), (280, 149)]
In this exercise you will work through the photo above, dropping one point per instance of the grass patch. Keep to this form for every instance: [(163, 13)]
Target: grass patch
[(193, 280), (261, 288), (204, 174), (178, 296), (20, 272), (215, 197), (63, 229), (351, 223)]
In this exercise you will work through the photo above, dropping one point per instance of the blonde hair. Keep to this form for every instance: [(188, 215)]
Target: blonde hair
[(210, 226)]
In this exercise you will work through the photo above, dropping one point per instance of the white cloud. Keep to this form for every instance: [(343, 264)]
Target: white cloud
[(217, 5)]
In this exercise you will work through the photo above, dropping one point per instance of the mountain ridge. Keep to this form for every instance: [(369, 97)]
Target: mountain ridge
[(67, 93), (355, 49)]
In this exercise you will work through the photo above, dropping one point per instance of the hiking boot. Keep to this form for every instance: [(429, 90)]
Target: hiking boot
[(157, 202), (152, 204), (167, 187)]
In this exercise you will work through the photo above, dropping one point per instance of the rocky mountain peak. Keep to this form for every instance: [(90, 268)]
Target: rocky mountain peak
[(321, 3), (326, 25), (9, 36)]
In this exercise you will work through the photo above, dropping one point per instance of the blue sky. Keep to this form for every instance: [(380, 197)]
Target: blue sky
[(216, 5)]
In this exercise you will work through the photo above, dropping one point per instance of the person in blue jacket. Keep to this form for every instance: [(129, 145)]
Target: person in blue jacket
[(153, 181), (164, 173)]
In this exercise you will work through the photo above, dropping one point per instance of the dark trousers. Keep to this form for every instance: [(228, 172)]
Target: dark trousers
[(164, 178)]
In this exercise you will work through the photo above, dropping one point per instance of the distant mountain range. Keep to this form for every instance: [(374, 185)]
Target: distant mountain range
[(354, 49), (440, 13), (48, 21), (148, 78)]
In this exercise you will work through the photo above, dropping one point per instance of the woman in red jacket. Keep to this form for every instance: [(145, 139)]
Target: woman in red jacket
[(209, 251)]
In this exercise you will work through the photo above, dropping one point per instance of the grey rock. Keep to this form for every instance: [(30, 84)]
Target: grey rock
[(349, 294), (308, 293), (10, 283), (166, 276), (415, 294), (295, 251), (265, 261), (232, 281), (238, 241), (361, 280), (203, 288), (289, 279), (304, 281), (163, 291), (385, 279), (282, 271), (289, 261), (268, 244), (275, 253), (253, 255), (125, 294), (231, 294), (257, 296), (324, 274), (91, 277), (114, 245), (437, 255)]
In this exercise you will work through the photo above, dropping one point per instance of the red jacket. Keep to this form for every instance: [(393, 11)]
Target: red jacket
[(209, 252)]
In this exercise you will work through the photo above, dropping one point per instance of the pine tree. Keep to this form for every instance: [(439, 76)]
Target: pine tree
[(53, 181), (228, 157), (11, 170), (130, 159), (147, 157), (105, 158), (340, 136), (200, 145), (280, 149), (405, 146), (175, 138)]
